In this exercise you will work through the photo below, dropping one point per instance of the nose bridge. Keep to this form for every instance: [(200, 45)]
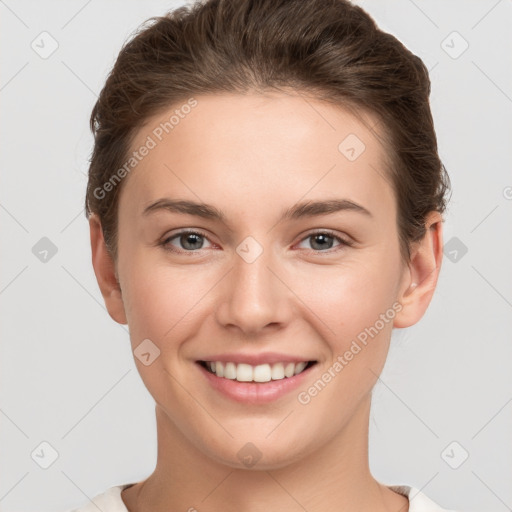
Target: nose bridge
[(253, 297)]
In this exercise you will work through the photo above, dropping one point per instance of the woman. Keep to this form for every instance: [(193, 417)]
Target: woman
[(265, 201)]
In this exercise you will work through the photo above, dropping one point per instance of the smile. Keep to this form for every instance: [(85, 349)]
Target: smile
[(243, 372)]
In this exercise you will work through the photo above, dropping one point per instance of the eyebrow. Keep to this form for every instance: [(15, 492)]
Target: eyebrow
[(297, 211)]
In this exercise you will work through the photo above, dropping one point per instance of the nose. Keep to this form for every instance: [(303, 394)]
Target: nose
[(254, 297)]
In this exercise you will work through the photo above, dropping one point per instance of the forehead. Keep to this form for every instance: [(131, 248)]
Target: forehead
[(243, 151)]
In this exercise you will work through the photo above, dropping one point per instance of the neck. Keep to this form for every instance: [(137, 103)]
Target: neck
[(334, 477)]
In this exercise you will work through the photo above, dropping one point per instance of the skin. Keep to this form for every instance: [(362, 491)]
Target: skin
[(251, 156)]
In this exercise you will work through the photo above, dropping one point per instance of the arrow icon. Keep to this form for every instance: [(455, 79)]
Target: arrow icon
[(249, 253), (454, 45), (455, 249), (44, 250), (146, 352), (351, 147), (44, 455), (454, 455)]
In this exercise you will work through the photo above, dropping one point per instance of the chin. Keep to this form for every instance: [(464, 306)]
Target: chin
[(259, 454)]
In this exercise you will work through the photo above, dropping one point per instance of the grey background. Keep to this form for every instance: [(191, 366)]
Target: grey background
[(67, 374)]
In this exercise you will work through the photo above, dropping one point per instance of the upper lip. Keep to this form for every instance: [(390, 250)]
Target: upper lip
[(256, 359)]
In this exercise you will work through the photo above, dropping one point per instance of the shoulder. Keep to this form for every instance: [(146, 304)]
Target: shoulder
[(108, 501), (418, 502)]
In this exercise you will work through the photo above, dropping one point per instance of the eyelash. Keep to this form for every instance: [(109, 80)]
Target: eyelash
[(343, 242)]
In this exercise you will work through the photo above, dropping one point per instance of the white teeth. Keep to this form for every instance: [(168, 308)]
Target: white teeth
[(299, 367), (261, 373), (289, 370), (230, 371), (277, 371), (244, 373)]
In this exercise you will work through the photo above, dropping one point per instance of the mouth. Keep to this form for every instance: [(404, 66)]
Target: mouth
[(261, 373)]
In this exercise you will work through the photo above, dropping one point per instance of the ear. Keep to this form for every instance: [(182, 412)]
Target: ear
[(105, 271), (420, 277)]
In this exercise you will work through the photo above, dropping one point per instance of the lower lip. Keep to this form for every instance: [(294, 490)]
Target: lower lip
[(255, 392)]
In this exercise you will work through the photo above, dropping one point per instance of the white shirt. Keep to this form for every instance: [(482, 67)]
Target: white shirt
[(111, 501)]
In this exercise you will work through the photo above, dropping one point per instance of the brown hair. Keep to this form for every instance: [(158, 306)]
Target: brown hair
[(330, 48)]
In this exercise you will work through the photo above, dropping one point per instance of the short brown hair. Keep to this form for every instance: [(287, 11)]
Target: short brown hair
[(330, 48)]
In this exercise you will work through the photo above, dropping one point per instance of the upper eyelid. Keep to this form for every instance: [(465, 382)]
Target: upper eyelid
[(345, 240), (167, 238), (186, 231)]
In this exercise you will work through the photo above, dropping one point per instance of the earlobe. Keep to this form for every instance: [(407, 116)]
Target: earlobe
[(105, 271), (421, 277)]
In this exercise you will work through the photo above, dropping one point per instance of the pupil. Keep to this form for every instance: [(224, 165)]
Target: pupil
[(191, 236), (322, 245)]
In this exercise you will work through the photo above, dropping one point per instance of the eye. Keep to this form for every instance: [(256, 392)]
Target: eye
[(189, 241), (322, 241)]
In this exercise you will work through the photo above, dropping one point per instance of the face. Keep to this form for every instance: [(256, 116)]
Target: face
[(294, 264)]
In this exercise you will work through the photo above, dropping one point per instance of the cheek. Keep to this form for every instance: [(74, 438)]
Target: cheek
[(350, 297), (354, 313), (161, 300), (355, 307)]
